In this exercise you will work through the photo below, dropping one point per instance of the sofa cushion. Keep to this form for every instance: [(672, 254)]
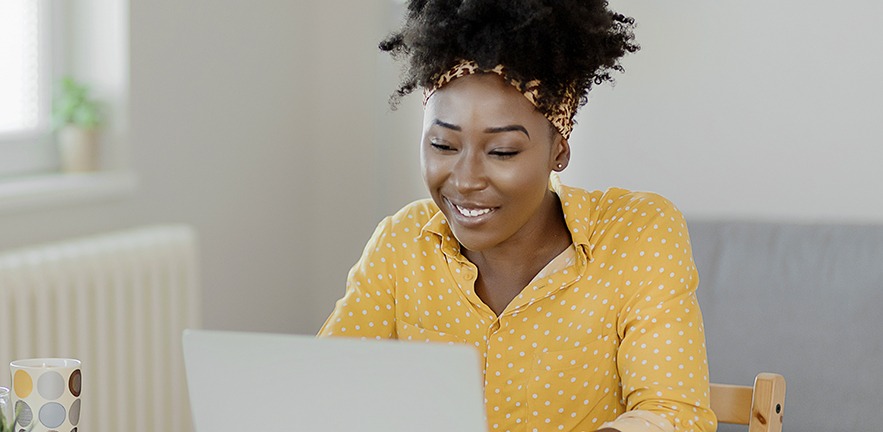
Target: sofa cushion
[(803, 300)]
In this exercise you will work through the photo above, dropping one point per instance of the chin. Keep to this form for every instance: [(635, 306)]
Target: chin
[(474, 242)]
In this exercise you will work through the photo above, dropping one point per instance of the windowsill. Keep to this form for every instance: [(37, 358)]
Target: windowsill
[(58, 190)]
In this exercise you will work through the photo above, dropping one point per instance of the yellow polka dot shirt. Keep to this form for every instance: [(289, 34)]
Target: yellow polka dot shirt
[(610, 332)]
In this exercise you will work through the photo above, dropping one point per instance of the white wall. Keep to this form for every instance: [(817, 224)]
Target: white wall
[(765, 110), (255, 123), (265, 125)]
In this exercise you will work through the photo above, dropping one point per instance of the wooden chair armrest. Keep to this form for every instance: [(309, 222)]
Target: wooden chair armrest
[(761, 407), (768, 404)]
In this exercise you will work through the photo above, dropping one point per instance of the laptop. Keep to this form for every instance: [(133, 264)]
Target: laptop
[(272, 382)]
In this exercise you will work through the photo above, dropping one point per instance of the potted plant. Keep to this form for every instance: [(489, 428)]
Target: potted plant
[(8, 425), (77, 119)]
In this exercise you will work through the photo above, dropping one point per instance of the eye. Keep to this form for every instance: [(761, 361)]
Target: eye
[(442, 147), (504, 154)]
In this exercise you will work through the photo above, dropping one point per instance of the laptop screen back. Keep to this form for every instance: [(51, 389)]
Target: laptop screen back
[(272, 382)]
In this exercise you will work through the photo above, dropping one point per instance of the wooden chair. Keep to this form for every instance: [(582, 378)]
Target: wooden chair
[(760, 407)]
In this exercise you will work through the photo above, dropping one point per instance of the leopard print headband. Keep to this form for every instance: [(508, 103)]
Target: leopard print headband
[(561, 116)]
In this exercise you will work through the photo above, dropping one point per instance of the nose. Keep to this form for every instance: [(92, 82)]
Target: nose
[(468, 173)]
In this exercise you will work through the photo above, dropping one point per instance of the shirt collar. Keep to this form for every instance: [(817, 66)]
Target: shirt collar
[(438, 225), (578, 214), (575, 204)]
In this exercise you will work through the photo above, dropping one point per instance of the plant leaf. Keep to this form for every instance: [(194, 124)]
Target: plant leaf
[(72, 105)]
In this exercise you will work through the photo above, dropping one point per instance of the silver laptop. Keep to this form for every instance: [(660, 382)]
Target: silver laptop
[(270, 382)]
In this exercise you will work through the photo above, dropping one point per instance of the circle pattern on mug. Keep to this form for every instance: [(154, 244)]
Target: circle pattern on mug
[(76, 382), (74, 414), (52, 414), (22, 383), (50, 385), (25, 415)]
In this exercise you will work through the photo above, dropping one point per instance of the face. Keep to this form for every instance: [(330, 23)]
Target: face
[(486, 155)]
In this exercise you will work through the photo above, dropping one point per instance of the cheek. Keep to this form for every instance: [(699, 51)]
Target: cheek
[(432, 169), (524, 181)]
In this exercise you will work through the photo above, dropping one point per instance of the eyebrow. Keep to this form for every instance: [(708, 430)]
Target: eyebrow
[(500, 129), (447, 125), (510, 128)]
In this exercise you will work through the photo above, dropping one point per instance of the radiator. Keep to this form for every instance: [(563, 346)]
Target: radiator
[(118, 302)]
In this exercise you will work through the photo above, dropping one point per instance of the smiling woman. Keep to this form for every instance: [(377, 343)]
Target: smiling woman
[(582, 303)]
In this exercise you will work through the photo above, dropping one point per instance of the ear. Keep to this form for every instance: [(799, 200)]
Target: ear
[(560, 153)]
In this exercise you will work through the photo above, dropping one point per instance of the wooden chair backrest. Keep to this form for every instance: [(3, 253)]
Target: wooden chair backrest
[(761, 407)]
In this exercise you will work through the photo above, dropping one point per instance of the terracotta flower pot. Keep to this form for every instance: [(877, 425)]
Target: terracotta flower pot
[(78, 149)]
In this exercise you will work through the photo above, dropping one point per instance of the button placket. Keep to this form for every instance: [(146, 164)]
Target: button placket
[(506, 372), (495, 375)]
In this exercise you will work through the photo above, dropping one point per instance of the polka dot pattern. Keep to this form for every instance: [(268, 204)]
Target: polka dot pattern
[(75, 382), (610, 327), (22, 384), (74, 414), (25, 414), (50, 385), (52, 414)]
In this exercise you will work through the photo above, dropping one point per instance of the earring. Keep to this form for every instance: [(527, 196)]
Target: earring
[(560, 166)]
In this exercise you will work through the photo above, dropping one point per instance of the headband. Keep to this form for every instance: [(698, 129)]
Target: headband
[(560, 116)]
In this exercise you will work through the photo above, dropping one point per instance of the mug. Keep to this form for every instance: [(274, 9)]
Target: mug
[(46, 393)]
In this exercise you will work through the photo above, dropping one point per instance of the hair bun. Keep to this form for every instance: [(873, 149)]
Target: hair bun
[(511, 14), (568, 45)]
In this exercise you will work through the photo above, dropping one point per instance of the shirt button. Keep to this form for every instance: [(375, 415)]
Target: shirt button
[(469, 276)]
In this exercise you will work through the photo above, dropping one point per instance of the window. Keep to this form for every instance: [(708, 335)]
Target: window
[(25, 87), (20, 76), (41, 41)]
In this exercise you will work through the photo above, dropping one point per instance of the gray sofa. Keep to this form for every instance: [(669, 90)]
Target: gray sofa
[(803, 300)]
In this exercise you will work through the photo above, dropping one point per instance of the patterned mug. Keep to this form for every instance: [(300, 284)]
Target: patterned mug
[(46, 393)]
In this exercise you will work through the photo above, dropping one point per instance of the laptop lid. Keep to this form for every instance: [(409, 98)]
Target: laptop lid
[(273, 382)]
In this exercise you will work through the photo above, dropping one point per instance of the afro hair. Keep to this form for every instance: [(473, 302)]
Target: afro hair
[(568, 45)]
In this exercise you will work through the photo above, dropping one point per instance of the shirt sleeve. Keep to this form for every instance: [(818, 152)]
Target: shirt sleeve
[(640, 421), (662, 357), (367, 309)]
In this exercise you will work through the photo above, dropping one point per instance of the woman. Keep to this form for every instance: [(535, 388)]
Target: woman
[(582, 303)]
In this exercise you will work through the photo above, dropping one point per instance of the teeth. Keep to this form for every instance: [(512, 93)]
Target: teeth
[(472, 212)]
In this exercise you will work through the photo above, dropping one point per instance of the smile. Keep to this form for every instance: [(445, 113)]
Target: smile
[(470, 211)]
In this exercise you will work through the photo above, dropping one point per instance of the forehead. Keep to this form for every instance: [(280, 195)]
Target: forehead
[(480, 101)]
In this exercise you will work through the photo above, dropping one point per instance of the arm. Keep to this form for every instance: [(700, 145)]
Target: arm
[(367, 309), (662, 359)]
